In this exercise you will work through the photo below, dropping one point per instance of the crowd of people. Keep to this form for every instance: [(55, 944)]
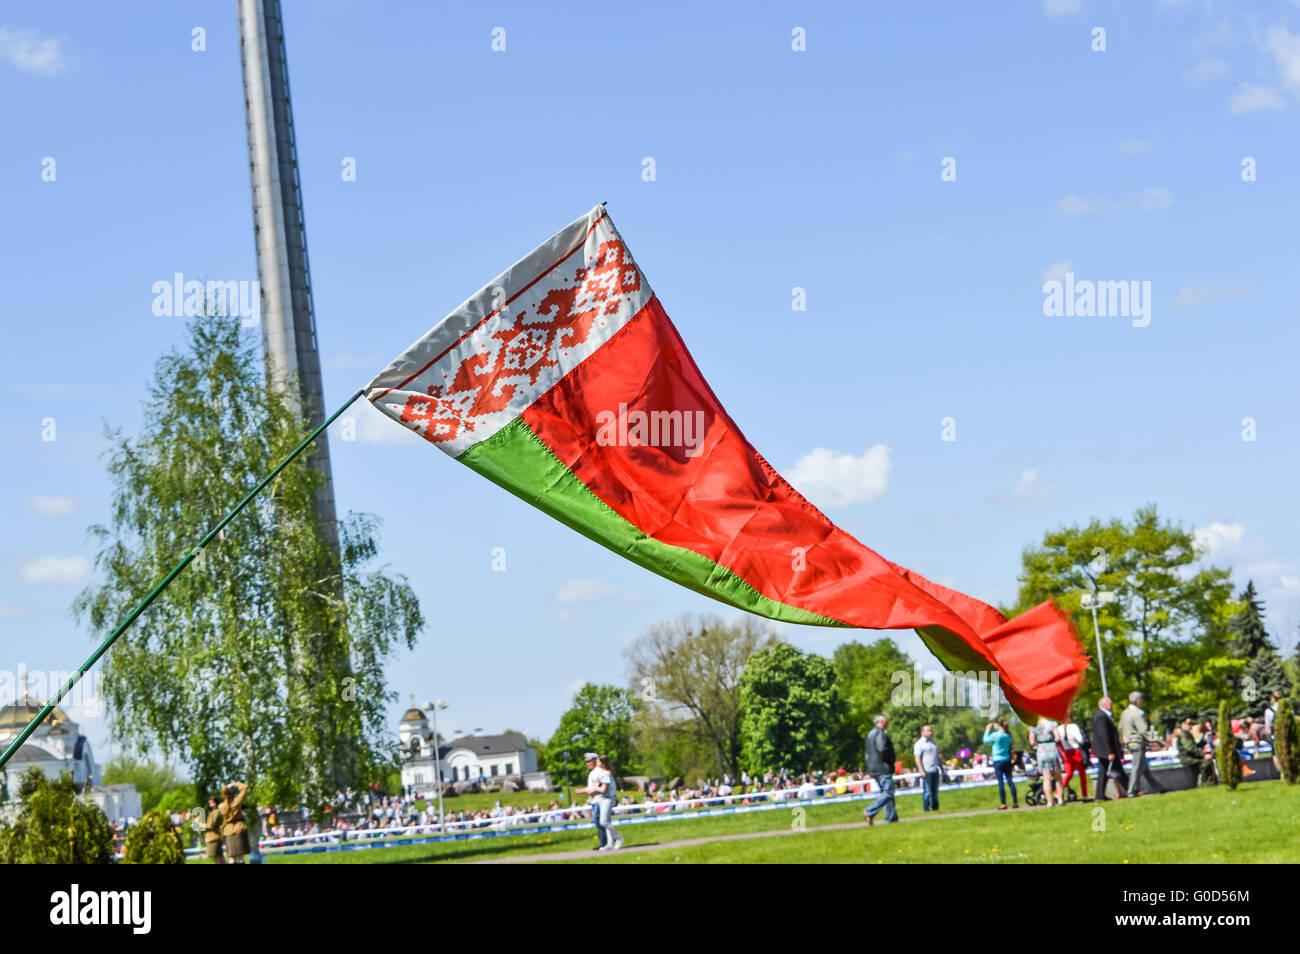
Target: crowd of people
[(1057, 753)]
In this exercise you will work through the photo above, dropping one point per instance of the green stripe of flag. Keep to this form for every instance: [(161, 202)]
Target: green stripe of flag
[(516, 458)]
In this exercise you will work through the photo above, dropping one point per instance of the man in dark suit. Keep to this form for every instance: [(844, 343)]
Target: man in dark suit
[(1105, 745), (880, 766)]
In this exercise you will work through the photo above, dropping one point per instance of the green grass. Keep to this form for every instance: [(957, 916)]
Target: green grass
[(583, 841), (1258, 823)]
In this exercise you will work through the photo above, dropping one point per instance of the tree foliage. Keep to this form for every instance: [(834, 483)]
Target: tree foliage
[(55, 825), (154, 840), (1226, 754), (599, 720), (154, 782), (263, 661), (685, 677), (790, 710), (1169, 619), (1286, 742)]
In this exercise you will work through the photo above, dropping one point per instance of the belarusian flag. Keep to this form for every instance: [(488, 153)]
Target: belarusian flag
[(564, 381)]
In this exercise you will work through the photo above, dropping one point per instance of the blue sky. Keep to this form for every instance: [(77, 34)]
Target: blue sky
[(774, 169)]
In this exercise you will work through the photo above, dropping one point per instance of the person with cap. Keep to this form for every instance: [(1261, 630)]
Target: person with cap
[(600, 797), (1135, 734), (880, 766)]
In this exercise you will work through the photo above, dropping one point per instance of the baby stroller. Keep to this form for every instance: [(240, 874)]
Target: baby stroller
[(1035, 794)]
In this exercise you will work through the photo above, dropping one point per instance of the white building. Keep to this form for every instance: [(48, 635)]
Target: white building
[(117, 801), (487, 759), (55, 747)]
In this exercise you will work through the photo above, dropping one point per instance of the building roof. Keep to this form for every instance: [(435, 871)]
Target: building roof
[(482, 745), (414, 715), (34, 753), (16, 715)]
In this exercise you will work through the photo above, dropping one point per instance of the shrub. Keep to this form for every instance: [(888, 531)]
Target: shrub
[(55, 826), (1229, 762), (1286, 742), (154, 841)]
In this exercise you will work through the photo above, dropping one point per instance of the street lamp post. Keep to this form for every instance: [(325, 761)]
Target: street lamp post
[(1092, 601), (437, 759)]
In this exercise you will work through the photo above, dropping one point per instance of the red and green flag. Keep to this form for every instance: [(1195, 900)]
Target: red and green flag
[(564, 381)]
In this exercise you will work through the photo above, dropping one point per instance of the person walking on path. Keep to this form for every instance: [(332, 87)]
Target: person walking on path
[(234, 829), (611, 793), (880, 766), (599, 802), (926, 754), (997, 736), (1048, 759), (1135, 735), (1073, 754)]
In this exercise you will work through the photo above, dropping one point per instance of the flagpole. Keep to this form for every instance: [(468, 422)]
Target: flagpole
[(17, 743)]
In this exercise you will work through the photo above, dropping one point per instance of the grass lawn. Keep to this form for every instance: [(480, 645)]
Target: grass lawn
[(580, 841), (1258, 823)]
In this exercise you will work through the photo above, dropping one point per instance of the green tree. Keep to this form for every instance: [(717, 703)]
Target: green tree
[(1264, 673), (790, 710), (685, 678), (154, 840), (865, 679), (1226, 754), (264, 660), (599, 720), (151, 780), (54, 825), (1286, 742), (1168, 620)]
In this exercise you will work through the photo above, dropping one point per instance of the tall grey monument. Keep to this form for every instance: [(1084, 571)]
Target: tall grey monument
[(288, 319)]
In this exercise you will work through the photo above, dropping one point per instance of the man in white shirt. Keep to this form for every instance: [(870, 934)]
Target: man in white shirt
[(926, 754)]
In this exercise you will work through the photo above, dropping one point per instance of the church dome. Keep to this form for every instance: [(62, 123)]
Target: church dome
[(414, 715), (15, 716)]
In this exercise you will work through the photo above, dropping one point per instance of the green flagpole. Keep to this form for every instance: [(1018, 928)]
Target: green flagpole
[(17, 743)]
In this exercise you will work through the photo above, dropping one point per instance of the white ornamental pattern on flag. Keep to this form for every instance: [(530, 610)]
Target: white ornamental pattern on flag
[(492, 357)]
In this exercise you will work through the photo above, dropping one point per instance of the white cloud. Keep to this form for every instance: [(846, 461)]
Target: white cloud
[(1056, 272), (1207, 69), (1026, 492), (1149, 200), (577, 591), (53, 506), (1219, 537), (28, 51), (1254, 98), (1286, 54), (57, 571), (1060, 8), (831, 479), (1193, 296), (1133, 147)]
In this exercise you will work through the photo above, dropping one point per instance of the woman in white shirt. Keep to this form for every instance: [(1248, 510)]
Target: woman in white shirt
[(1070, 737)]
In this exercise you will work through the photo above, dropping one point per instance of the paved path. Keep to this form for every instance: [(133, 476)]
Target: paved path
[(665, 845)]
